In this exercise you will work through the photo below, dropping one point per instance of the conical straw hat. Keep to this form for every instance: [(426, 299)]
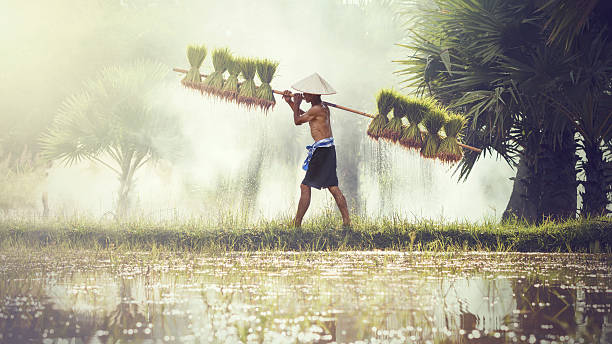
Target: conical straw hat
[(314, 84)]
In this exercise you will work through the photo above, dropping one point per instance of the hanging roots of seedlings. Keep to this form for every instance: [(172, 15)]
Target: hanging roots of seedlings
[(384, 100), (213, 84), (416, 108), (393, 130), (434, 121), (247, 92), (230, 86), (265, 71), (411, 137), (195, 55), (450, 151)]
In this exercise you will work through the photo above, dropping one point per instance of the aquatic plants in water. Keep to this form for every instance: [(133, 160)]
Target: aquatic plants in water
[(229, 296)]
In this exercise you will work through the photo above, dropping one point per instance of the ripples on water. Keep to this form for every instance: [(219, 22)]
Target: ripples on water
[(278, 297)]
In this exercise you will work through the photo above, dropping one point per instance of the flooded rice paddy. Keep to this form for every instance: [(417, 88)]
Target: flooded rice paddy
[(62, 296)]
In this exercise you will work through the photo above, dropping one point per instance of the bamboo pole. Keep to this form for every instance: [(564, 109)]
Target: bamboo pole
[(478, 150)]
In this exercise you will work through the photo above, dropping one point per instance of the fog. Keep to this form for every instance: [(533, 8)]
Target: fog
[(233, 161)]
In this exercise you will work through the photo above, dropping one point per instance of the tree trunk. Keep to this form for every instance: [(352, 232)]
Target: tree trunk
[(520, 206), (123, 202), (545, 184), (125, 185), (45, 202), (559, 189), (594, 197)]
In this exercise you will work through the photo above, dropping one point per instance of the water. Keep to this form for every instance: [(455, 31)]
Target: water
[(65, 296)]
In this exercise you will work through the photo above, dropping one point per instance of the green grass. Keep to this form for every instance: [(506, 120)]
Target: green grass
[(318, 234)]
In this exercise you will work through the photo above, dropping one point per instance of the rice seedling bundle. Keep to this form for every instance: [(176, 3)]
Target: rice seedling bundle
[(416, 109), (449, 150), (247, 92), (230, 86), (213, 84), (393, 129), (196, 55), (384, 101), (434, 121), (265, 71)]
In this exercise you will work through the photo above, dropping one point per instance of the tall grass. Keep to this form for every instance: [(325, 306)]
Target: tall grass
[(233, 232)]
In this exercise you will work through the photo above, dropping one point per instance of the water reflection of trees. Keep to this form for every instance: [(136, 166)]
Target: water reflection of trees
[(144, 304), (551, 307), (29, 315), (562, 310)]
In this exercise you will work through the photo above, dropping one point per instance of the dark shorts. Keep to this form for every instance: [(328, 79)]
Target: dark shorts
[(322, 169)]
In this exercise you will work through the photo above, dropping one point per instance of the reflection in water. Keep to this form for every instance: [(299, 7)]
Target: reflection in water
[(111, 297)]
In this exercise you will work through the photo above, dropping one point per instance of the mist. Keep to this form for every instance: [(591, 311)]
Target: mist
[(232, 161)]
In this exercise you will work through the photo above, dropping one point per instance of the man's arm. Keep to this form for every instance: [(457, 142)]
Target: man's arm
[(299, 116), (305, 117)]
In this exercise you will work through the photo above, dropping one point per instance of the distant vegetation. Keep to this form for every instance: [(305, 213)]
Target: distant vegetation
[(116, 122), (21, 178)]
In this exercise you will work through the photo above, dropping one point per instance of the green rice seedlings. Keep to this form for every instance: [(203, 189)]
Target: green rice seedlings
[(384, 100), (247, 92), (230, 86), (434, 121), (265, 71), (195, 55), (449, 151), (416, 108), (393, 129), (213, 84)]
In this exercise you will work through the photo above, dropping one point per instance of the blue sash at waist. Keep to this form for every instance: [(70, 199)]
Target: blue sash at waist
[(327, 142)]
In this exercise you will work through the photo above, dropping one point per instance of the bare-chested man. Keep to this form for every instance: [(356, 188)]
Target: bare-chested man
[(320, 165)]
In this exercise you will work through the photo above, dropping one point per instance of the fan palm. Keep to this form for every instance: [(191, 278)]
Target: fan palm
[(487, 58), (116, 122), (566, 19), (584, 96)]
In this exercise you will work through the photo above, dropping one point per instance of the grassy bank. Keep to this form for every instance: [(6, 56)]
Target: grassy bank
[(584, 235)]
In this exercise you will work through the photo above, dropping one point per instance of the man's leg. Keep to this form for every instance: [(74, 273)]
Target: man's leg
[(302, 205), (341, 202)]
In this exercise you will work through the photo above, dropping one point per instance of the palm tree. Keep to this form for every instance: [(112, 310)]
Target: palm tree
[(567, 19), (115, 121), (466, 54), (495, 61), (584, 95)]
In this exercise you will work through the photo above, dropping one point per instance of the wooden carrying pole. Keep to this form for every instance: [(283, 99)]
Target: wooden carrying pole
[(179, 70)]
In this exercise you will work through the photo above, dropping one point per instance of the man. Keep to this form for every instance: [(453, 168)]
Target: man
[(320, 165)]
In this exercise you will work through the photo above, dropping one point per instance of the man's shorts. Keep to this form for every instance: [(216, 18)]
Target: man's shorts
[(322, 169)]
